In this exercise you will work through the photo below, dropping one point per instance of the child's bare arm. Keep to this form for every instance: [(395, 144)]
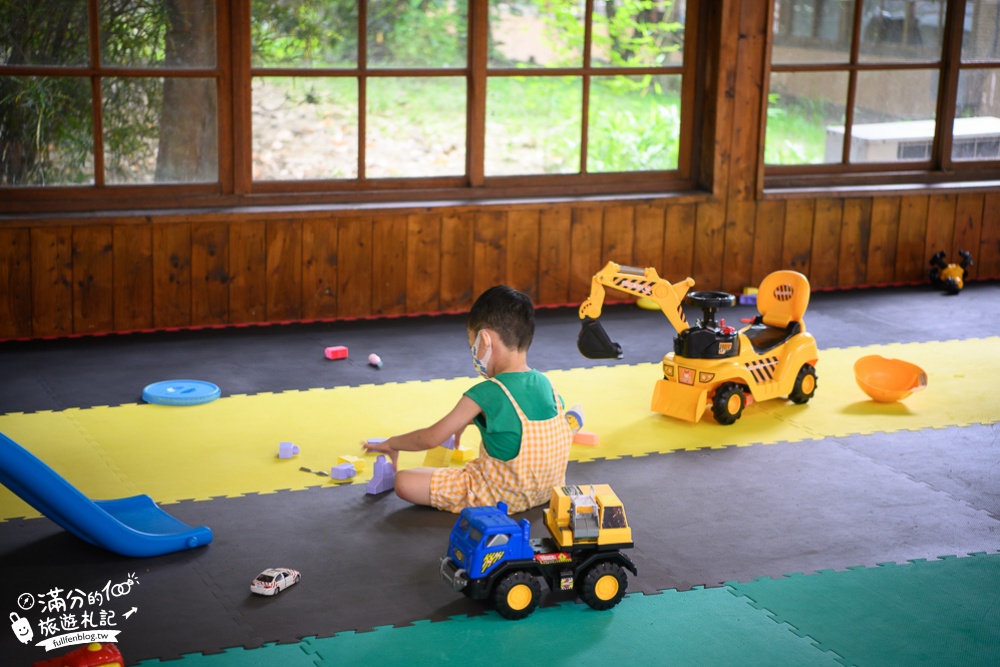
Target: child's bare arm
[(431, 436)]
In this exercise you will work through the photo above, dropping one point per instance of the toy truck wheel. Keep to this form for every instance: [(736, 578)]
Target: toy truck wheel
[(805, 385), (727, 406), (516, 596), (603, 586)]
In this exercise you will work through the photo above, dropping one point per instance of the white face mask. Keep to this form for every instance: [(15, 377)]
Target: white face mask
[(481, 364)]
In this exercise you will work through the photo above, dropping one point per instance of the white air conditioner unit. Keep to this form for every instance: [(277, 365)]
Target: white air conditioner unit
[(911, 140)]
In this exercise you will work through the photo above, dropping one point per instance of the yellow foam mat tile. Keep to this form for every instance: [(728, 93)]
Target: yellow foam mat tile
[(229, 447)]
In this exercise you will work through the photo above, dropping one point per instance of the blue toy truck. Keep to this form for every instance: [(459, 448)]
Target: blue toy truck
[(492, 557)]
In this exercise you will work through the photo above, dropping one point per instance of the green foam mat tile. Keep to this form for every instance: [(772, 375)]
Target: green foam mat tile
[(943, 612), (708, 627)]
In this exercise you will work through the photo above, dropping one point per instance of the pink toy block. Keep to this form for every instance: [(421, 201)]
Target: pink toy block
[(383, 477), (343, 471), (287, 450), (586, 438), (336, 352)]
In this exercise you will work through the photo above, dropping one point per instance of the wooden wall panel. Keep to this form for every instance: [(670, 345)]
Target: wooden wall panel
[(968, 225), (680, 226), (456, 262), (826, 243), (319, 268), (210, 273), (737, 262), (854, 238), (489, 251), (586, 251), (883, 241), (555, 225), (15, 283), (987, 259), (911, 257), (133, 276), (283, 297), (248, 272), (354, 267), (172, 275), (51, 281), (423, 263), (93, 279), (768, 242), (940, 225), (389, 265), (522, 251), (796, 253), (618, 236), (709, 246), (650, 228)]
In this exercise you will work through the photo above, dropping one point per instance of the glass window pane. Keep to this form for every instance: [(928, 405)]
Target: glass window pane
[(894, 116), (805, 118), (812, 31), (46, 135), (982, 22), (638, 33), (901, 30), (533, 125), (44, 32), (415, 127), (431, 33), (634, 123), (536, 34), (150, 34), (305, 128), (304, 33), (160, 130), (977, 116)]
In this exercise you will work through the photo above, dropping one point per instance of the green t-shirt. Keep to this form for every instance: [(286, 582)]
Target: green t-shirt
[(498, 423)]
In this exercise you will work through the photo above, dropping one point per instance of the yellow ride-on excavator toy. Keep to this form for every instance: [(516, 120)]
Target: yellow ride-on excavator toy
[(711, 363)]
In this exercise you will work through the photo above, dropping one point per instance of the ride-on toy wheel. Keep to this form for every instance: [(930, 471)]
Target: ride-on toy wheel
[(603, 586), (728, 403), (805, 385), (516, 596)]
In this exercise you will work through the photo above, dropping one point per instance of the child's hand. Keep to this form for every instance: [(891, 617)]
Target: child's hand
[(381, 448)]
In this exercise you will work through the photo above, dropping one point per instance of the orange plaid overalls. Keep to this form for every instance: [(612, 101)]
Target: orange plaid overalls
[(523, 482)]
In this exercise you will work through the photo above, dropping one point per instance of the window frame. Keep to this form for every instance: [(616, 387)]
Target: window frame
[(235, 187), (940, 169)]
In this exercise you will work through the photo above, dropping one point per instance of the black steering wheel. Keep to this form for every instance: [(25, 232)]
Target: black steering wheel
[(709, 301)]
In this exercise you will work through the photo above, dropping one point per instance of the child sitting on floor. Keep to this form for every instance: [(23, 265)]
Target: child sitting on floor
[(525, 436)]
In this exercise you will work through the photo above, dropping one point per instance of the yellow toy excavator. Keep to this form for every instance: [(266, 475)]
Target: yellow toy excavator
[(711, 363)]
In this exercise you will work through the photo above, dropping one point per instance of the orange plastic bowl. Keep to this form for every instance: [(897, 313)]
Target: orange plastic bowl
[(888, 380)]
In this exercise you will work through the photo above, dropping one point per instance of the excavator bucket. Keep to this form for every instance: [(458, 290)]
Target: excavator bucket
[(594, 342)]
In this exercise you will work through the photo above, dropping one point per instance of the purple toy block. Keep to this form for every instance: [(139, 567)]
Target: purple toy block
[(287, 450), (449, 443), (383, 477), (343, 471)]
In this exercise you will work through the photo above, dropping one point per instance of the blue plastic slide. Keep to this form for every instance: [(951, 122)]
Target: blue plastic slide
[(133, 526)]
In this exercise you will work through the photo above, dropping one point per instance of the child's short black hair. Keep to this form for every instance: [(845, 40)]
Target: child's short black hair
[(508, 312)]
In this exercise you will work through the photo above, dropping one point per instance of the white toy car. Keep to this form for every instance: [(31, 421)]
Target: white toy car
[(273, 580)]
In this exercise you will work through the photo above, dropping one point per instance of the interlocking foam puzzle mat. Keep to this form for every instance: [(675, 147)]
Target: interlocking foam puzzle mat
[(229, 447), (841, 532)]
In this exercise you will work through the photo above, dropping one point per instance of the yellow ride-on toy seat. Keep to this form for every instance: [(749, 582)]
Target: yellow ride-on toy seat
[(782, 300)]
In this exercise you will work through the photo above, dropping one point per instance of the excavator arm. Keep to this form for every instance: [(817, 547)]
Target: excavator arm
[(594, 342)]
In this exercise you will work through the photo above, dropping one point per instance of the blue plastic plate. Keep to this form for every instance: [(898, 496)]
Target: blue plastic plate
[(181, 392)]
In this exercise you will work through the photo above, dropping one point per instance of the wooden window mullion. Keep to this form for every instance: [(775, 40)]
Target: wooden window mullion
[(475, 124), (948, 84), (97, 113)]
